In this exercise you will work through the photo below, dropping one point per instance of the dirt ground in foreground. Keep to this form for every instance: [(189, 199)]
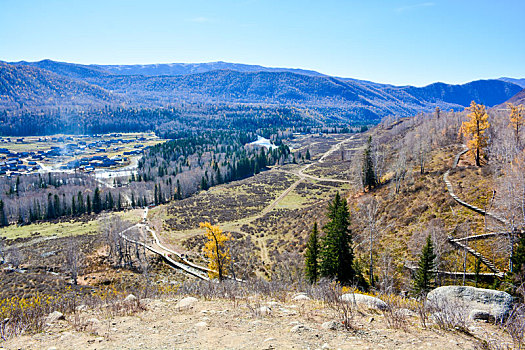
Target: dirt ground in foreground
[(220, 324)]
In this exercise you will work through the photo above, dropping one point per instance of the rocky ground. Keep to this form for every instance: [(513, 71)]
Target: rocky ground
[(252, 323)]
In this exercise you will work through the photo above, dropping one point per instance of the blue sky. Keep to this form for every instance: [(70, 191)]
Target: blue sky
[(396, 41)]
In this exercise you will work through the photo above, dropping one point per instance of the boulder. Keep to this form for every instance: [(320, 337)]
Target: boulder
[(264, 310), (93, 322), (55, 316), (130, 299), (332, 325), (298, 328), (300, 297), (81, 308), (496, 303), (365, 300), (186, 302)]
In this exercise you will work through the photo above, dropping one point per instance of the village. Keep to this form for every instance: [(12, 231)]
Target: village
[(71, 153)]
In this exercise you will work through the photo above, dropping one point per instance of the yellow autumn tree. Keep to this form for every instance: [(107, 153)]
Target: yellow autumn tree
[(517, 120), (474, 130), (216, 251)]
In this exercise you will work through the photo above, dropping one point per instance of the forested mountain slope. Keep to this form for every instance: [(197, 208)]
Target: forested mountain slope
[(360, 98), (519, 98), (25, 87)]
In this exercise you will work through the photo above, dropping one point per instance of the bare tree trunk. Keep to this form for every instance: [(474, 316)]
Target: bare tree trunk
[(464, 264), (74, 259)]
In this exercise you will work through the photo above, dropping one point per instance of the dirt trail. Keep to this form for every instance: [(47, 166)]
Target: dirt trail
[(227, 324), (236, 226), (303, 176)]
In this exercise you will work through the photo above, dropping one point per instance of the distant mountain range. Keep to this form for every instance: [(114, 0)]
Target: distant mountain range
[(48, 84), (520, 82)]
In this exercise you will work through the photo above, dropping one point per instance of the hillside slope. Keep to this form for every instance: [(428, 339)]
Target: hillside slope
[(29, 87), (518, 99)]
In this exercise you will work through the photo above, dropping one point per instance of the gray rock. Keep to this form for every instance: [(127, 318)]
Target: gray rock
[(81, 308), (130, 298), (201, 324), (55, 316), (332, 325), (186, 302), (93, 322), (264, 310), (301, 297), (298, 328), (147, 301), (365, 300), (496, 303)]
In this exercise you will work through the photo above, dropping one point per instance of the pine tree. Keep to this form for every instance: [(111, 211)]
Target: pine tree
[(111, 203), (311, 256), (17, 186), (3, 217), (119, 202), (179, 191), (425, 269), (204, 184), (31, 216), (97, 201), (50, 207), (160, 195), (307, 156), (336, 253), (369, 176), (73, 206), (80, 203), (88, 204), (477, 270), (474, 130), (518, 260), (56, 205)]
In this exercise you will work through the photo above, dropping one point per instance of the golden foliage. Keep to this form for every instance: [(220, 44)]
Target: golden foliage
[(216, 251), (474, 130), (517, 119)]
